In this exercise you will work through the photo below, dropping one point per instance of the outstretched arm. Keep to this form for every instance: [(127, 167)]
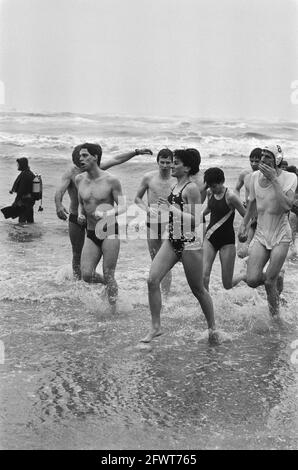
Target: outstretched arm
[(65, 183), (124, 157)]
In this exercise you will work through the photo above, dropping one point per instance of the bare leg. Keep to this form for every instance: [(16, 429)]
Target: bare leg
[(110, 251), (77, 237), (161, 265), (209, 255), (257, 259), (293, 224), (193, 268), (227, 255), (277, 258), (154, 245), (90, 258)]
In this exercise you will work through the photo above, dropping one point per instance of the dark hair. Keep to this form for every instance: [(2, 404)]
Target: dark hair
[(196, 153), (214, 176), (164, 153), (284, 163), (189, 158), (292, 169), (257, 152), (93, 149), (76, 155)]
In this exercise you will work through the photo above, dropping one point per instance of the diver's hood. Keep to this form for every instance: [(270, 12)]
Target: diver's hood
[(23, 163)]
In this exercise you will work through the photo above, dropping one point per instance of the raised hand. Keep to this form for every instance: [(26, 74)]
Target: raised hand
[(143, 152), (267, 171)]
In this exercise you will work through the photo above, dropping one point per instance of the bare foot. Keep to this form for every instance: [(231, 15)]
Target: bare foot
[(214, 338), (98, 279), (152, 334)]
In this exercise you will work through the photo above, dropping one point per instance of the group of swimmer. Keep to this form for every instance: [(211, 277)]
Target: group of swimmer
[(176, 223)]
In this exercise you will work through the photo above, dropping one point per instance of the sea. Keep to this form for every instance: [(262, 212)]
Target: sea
[(73, 376)]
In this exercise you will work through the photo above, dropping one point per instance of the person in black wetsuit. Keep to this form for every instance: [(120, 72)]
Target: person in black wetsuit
[(23, 187), (220, 235), (184, 243)]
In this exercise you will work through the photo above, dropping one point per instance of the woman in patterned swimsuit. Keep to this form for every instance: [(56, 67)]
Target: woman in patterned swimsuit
[(184, 243)]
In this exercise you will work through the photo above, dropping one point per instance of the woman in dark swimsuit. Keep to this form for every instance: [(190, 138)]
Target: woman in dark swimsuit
[(183, 243), (220, 235)]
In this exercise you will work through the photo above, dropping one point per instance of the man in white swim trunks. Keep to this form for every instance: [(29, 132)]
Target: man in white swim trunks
[(272, 192)]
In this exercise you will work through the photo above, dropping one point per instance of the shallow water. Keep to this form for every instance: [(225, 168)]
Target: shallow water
[(75, 377)]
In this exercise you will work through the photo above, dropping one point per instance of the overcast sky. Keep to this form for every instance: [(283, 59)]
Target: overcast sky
[(207, 58)]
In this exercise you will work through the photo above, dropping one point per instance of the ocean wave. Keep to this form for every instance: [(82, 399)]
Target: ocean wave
[(254, 135)]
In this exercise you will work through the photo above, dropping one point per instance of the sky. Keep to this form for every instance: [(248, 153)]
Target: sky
[(205, 58)]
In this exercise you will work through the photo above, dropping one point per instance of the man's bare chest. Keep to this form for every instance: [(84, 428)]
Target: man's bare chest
[(98, 190)]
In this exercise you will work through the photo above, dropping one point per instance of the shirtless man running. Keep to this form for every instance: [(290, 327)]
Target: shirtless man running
[(77, 231), (272, 192), (157, 184), (99, 194)]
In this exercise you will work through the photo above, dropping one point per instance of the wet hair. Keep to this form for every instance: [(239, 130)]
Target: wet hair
[(284, 163), (76, 155), (189, 158), (214, 176), (165, 153), (257, 152), (93, 149), (292, 169), (195, 152)]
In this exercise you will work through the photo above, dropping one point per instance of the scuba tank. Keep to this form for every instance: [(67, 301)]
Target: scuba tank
[(37, 190)]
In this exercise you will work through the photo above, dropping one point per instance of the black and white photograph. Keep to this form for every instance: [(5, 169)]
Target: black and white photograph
[(148, 226)]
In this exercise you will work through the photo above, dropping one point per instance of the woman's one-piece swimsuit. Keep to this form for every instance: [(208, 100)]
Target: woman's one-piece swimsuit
[(225, 234), (178, 238)]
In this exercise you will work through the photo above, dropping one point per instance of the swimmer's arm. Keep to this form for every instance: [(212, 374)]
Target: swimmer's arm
[(240, 182), (144, 186), (203, 192), (285, 200), (81, 210), (206, 210), (193, 207), (118, 198), (123, 157), (250, 211), (60, 191), (234, 202), (204, 213)]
